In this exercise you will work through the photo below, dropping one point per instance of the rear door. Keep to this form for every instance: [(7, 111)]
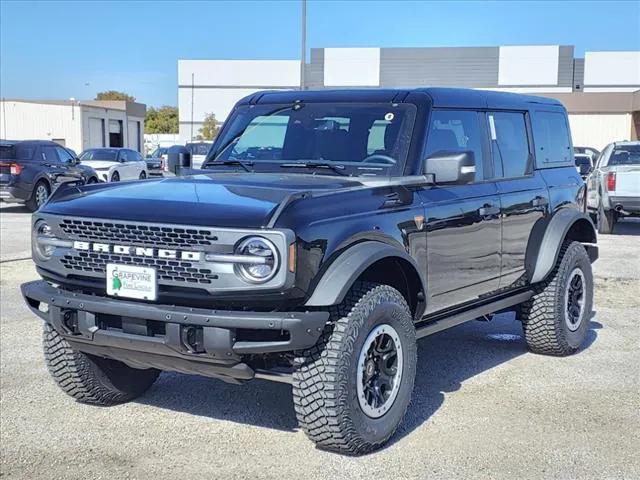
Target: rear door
[(523, 192), (462, 221)]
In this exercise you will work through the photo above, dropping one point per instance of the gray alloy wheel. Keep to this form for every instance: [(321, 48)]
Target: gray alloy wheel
[(41, 194)]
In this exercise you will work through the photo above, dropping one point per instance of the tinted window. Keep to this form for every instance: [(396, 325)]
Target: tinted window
[(509, 143), (64, 155), (49, 154), (456, 131), (625, 155), (17, 152), (551, 137), (107, 154)]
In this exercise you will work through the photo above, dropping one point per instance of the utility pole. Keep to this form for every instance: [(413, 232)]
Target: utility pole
[(303, 53), (192, 92)]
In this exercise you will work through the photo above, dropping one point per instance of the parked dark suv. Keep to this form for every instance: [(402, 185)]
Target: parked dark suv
[(30, 170), (326, 233)]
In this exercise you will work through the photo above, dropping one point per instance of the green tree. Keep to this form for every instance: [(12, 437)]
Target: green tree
[(209, 128), (115, 95), (161, 120)]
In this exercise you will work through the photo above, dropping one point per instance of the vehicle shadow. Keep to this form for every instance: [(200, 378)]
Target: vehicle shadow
[(627, 226), (445, 361), (16, 208)]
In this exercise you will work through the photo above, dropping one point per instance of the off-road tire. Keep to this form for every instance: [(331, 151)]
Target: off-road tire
[(32, 203), (605, 220), (325, 375), (91, 379), (543, 315)]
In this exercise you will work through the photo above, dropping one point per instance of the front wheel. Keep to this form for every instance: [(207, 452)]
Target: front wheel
[(115, 177), (556, 318), (351, 390), (143, 175), (91, 379)]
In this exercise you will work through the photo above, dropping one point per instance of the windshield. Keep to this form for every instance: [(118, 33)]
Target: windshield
[(106, 154), (625, 155), (361, 139), (198, 148), (159, 152)]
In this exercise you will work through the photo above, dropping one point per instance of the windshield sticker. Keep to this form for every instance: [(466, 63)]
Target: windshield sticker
[(389, 116)]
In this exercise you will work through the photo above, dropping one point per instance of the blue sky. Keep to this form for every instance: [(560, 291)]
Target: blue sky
[(74, 49)]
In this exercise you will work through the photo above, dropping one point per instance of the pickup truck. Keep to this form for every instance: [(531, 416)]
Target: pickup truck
[(613, 187), (325, 234)]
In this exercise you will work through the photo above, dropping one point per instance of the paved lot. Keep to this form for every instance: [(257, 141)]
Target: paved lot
[(483, 407)]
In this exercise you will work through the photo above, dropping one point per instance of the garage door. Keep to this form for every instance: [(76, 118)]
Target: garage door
[(96, 132)]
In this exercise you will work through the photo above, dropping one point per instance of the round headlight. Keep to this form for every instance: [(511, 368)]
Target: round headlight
[(42, 230), (266, 260)]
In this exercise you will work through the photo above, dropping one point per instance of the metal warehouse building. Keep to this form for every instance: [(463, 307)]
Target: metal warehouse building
[(75, 124), (601, 91)]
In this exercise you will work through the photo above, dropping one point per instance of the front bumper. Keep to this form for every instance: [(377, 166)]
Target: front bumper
[(145, 335)]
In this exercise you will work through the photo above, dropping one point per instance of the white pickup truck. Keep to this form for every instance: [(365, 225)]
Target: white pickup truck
[(613, 187)]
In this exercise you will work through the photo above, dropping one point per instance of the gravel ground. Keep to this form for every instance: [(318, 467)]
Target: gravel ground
[(483, 406)]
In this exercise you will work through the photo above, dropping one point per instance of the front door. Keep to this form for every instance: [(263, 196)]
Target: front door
[(462, 222)]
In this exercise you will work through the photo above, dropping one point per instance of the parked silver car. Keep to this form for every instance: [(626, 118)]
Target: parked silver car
[(613, 188)]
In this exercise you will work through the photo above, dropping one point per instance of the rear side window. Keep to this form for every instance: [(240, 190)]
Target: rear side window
[(456, 131), (509, 144), (551, 136), (49, 154), (625, 155), (16, 152)]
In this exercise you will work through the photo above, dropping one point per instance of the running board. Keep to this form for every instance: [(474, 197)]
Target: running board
[(456, 319)]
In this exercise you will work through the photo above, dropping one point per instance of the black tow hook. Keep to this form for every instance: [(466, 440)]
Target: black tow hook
[(70, 321), (192, 339)]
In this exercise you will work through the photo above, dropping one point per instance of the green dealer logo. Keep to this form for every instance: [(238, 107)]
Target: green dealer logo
[(116, 283)]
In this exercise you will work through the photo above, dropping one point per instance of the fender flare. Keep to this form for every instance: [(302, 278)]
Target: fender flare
[(543, 261), (348, 266)]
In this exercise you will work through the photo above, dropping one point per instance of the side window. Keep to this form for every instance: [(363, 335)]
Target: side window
[(124, 155), (49, 154), (63, 155), (138, 157), (551, 136), (509, 144), (456, 130)]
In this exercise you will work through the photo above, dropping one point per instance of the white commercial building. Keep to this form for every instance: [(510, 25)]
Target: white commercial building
[(75, 124), (601, 91)]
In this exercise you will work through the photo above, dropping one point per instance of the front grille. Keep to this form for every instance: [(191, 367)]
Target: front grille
[(169, 270), (136, 234)]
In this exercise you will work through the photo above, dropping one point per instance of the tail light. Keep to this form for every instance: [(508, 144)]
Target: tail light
[(16, 169), (611, 181)]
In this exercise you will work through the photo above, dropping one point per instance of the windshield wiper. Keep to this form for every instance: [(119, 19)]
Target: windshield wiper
[(244, 165), (336, 167)]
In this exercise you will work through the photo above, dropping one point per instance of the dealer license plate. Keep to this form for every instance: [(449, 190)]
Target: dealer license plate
[(132, 282)]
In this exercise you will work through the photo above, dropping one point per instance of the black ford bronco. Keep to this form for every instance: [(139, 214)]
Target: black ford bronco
[(326, 232)]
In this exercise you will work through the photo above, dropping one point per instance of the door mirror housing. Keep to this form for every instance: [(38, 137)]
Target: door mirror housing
[(178, 159), (454, 167)]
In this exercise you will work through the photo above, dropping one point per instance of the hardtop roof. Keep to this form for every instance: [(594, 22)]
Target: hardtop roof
[(437, 96)]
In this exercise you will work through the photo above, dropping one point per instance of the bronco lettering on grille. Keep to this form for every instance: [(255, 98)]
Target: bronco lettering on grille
[(138, 251)]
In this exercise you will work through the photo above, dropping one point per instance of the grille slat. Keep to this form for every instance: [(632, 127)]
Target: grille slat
[(139, 235)]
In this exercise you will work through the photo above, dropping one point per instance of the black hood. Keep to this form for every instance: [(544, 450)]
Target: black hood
[(220, 199)]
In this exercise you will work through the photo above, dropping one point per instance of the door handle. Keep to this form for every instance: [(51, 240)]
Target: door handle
[(488, 210), (539, 202)]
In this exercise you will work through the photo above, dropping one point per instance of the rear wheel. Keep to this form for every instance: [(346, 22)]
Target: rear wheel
[(92, 180), (39, 196), (91, 379), (115, 177), (351, 390), (556, 318)]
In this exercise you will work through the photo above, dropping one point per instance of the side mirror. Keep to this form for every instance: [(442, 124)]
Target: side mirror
[(76, 161), (451, 167), (178, 159)]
